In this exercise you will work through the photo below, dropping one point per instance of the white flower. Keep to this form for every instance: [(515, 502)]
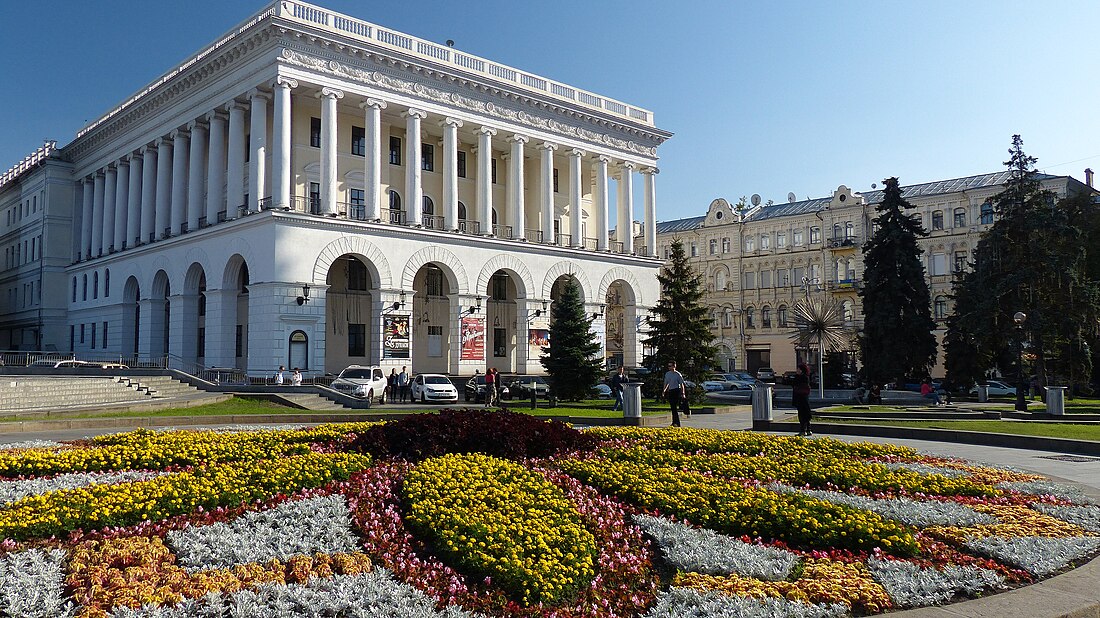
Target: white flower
[(10, 491), (26, 444), (912, 586), (705, 551), (1086, 516), (32, 585), (314, 525), (1040, 556), (688, 603), (926, 469), (1050, 488), (905, 510)]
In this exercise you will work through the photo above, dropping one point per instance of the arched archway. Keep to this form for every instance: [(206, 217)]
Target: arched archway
[(160, 313), (131, 317), (235, 281), (620, 324), (430, 322), (502, 337), (351, 320)]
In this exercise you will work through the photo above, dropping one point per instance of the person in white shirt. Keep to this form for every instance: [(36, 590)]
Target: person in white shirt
[(296, 378), (279, 380)]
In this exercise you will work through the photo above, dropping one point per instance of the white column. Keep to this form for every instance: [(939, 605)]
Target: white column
[(133, 204), (238, 149), (625, 225), (196, 175), (280, 154), (546, 190), (97, 217), (148, 194), (88, 195), (215, 167), (485, 178), (450, 172), (122, 202), (181, 143), (162, 216), (256, 169), (601, 202), (329, 151), (107, 228), (515, 186), (372, 162), (649, 178), (576, 193), (414, 190)]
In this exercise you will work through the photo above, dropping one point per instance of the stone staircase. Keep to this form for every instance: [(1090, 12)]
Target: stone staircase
[(26, 393), (309, 401), (160, 387)]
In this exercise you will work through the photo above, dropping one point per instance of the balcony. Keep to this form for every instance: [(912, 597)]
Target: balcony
[(843, 243)]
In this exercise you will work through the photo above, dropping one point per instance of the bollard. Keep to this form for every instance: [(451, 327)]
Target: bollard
[(632, 400), (983, 393), (1056, 400), (762, 403)]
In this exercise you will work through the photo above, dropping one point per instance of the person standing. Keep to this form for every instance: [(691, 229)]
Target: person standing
[(296, 378), (616, 385), (800, 396), (391, 386), (279, 379), (675, 391), (490, 387), (403, 383)]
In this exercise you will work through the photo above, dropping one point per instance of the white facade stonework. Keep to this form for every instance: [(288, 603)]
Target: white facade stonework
[(283, 195)]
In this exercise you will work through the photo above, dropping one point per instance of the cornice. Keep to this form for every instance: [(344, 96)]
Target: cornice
[(389, 73)]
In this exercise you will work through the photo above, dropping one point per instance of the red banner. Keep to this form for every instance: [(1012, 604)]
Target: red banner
[(473, 339)]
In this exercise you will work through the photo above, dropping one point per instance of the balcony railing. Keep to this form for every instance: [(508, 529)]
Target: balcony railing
[(843, 242), (616, 246), (469, 227), (502, 231), (563, 240), (397, 217), (433, 222), (534, 235), (592, 244)]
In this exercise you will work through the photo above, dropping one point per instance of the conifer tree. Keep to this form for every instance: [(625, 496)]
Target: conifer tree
[(572, 360), (897, 342), (679, 328)]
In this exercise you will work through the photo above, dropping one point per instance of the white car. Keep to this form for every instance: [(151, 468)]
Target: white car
[(364, 382), (996, 389), (429, 387), (715, 386)]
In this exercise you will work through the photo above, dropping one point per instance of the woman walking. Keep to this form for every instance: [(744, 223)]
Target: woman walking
[(800, 396)]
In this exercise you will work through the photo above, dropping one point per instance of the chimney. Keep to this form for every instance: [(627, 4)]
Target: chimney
[(1088, 176)]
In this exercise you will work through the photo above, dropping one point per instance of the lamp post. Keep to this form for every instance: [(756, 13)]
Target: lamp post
[(1019, 318)]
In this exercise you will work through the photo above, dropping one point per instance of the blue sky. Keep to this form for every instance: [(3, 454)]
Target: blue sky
[(763, 97)]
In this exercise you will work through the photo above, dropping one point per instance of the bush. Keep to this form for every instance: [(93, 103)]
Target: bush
[(508, 435)]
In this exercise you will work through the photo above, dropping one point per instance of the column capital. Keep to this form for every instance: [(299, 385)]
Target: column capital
[(139, 154), (217, 114), (547, 146), (652, 171), (577, 152), (256, 93), (484, 130), (197, 124), (110, 167), (450, 122), (179, 133), (235, 105), (147, 147), (372, 102), (284, 82), (330, 93), (519, 138), (123, 161), (627, 166), (415, 113), (98, 174)]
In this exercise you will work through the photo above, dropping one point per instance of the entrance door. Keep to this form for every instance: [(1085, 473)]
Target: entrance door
[(299, 351)]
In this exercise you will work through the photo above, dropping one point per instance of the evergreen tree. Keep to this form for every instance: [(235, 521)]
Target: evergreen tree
[(572, 360), (1033, 260), (679, 328), (897, 341)]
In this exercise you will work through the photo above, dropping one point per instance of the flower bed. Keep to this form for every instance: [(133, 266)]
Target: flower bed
[(433, 517)]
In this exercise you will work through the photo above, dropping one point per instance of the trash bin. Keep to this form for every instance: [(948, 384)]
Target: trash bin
[(632, 399), (983, 393), (762, 403), (1056, 400)]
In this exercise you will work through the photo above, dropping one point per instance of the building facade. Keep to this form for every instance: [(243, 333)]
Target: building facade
[(759, 260), (314, 190)]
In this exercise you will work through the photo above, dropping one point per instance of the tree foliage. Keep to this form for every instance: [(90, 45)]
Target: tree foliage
[(679, 328), (897, 341), (572, 360), (1035, 259)]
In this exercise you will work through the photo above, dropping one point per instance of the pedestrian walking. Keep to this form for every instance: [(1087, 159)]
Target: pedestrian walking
[(675, 391), (616, 385), (403, 384), (800, 396), (490, 387)]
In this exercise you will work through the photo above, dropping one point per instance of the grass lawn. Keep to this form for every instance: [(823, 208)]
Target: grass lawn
[(1023, 428), (600, 408)]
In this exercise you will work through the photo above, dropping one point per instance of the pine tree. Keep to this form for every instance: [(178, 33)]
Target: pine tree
[(679, 329), (572, 360), (897, 341)]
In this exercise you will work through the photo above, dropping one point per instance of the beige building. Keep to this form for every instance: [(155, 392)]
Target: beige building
[(759, 260)]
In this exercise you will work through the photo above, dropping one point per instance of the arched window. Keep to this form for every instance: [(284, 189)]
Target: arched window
[(714, 318), (74, 288), (727, 318), (461, 211), (841, 270), (849, 230), (960, 217), (851, 268), (395, 200), (85, 287), (781, 316), (846, 312), (720, 280), (939, 308), (95, 285), (298, 349), (987, 213), (750, 318), (107, 283), (766, 317), (428, 208)]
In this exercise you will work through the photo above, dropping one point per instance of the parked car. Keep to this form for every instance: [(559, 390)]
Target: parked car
[(996, 389), (715, 386), (601, 391), (766, 374), (361, 381), (739, 380), (475, 390), (788, 377), (433, 387), (521, 387)]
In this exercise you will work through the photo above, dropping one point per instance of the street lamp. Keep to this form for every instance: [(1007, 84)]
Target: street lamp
[(1019, 318)]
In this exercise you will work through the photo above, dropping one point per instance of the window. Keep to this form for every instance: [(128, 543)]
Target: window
[(499, 287), (939, 308), (780, 240), (846, 312), (937, 220), (74, 289), (434, 282), (107, 283), (748, 281), (93, 335), (938, 264), (782, 278), (797, 275), (395, 150), (104, 335), (713, 246), (427, 207), (358, 141), (836, 231), (694, 250), (461, 164), (781, 316), (987, 213), (720, 280), (960, 217), (765, 241), (555, 180), (85, 288), (356, 200), (239, 341), (726, 244), (798, 238), (493, 170), (714, 318), (849, 230), (357, 276), (461, 211), (765, 279), (960, 261), (81, 333), (315, 198), (427, 157), (750, 318), (815, 234), (357, 339), (815, 273), (750, 243), (395, 200), (95, 285), (315, 132)]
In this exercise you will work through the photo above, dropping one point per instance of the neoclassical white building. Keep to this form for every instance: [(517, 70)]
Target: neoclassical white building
[(315, 190)]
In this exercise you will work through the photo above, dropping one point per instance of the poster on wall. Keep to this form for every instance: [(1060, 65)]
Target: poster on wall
[(473, 339), (395, 336), (537, 339)]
